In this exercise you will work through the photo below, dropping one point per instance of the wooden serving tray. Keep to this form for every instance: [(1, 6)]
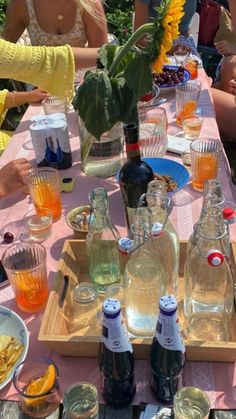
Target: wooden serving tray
[(69, 334)]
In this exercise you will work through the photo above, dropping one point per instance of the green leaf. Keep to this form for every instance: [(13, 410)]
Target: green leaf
[(96, 104), (139, 82)]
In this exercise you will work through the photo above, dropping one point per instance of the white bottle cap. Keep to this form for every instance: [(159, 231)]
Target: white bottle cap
[(111, 306), (125, 245), (168, 303), (157, 229)]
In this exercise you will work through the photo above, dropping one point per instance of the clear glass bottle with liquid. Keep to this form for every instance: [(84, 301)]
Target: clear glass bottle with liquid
[(102, 243), (208, 282), (165, 236), (144, 278), (212, 195)]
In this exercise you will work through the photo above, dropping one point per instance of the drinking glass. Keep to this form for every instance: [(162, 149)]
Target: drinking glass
[(187, 96), (36, 381), (152, 131), (192, 67), (186, 159), (25, 265), (37, 224), (192, 126), (81, 401), (205, 156), (44, 184), (180, 56), (191, 403), (54, 104)]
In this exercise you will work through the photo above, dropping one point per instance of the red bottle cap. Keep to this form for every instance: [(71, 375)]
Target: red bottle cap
[(229, 215), (215, 258), (157, 229)]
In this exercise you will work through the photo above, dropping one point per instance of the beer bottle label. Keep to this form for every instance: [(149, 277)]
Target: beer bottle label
[(115, 337), (168, 333)]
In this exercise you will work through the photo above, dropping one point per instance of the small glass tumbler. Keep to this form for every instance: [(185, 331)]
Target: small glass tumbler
[(186, 159), (152, 131), (44, 184), (180, 56), (192, 126), (36, 381), (192, 67), (187, 96), (25, 265), (54, 104), (205, 156), (81, 401), (191, 402), (38, 225)]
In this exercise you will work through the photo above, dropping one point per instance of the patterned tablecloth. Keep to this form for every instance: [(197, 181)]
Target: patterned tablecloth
[(218, 379)]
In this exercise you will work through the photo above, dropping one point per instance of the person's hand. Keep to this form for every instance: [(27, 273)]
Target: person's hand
[(232, 86), (13, 176), (37, 95), (225, 47), (179, 47)]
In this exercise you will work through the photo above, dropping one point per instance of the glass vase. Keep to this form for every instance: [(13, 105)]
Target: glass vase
[(102, 158)]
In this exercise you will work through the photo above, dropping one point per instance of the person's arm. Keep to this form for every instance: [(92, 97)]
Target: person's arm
[(85, 57), (14, 99), (232, 8), (15, 22), (96, 29), (13, 176)]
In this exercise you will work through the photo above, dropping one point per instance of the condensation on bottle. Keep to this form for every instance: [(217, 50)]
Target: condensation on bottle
[(208, 282)]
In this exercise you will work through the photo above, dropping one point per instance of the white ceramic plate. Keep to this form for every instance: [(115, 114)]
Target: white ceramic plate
[(11, 324)]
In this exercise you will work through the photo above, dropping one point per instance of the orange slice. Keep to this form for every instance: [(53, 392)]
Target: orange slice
[(40, 385)]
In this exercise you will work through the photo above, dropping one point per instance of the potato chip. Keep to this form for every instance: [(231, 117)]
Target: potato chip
[(10, 351)]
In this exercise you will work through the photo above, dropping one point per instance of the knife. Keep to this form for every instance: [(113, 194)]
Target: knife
[(64, 291)]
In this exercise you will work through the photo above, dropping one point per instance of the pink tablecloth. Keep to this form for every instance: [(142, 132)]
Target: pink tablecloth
[(218, 379)]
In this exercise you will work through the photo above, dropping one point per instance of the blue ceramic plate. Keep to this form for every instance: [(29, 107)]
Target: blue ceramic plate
[(12, 324), (169, 87), (170, 168)]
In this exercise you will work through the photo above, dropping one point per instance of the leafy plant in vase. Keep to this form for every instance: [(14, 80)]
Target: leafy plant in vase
[(109, 97)]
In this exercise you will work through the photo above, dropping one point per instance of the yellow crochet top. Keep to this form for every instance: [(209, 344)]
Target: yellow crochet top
[(50, 68), (4, 135)]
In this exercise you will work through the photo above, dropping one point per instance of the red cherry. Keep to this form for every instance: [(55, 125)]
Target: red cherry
[(8, 237)]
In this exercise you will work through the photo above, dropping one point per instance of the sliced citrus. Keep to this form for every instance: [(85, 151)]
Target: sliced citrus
[(40, 385)]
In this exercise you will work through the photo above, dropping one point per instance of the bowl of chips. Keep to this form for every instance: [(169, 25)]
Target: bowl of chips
[(14, 344)]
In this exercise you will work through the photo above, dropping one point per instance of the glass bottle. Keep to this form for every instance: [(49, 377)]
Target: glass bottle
[(144, 279), (212, 195), (167, 354), (134, 174), (165, 236), (116, 358), (208, 282), (102, 243)]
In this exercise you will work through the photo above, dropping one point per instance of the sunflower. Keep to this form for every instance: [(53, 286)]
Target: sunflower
[(166, 29)]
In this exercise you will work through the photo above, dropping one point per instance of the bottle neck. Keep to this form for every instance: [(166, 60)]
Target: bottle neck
[(114, 336), (133, 152)]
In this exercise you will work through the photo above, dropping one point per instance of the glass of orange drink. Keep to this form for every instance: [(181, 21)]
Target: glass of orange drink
[(205, 157), (187, 96), (25, 265), (44, 185), (192, 67), (36, 381)]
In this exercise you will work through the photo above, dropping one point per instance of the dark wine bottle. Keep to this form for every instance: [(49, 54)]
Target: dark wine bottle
[(167, 352), (115, 358), (134, 175)]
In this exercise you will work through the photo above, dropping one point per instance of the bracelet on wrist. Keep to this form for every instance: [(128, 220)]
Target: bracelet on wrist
[(13, 96)]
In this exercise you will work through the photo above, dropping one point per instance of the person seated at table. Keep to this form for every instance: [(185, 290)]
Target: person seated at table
[(57, 22), (145, 11), (13, 176), (9, 100), (225, 108), (49, 68)]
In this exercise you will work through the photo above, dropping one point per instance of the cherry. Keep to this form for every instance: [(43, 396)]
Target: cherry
[(8, 237)]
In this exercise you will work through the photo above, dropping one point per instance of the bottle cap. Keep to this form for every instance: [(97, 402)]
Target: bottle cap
[(157, 229), (111, 307), (229, 214), (168, 304), (215, 257), (125, 245)]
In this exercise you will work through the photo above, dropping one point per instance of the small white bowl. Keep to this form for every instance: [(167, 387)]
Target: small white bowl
[(11, 324)]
